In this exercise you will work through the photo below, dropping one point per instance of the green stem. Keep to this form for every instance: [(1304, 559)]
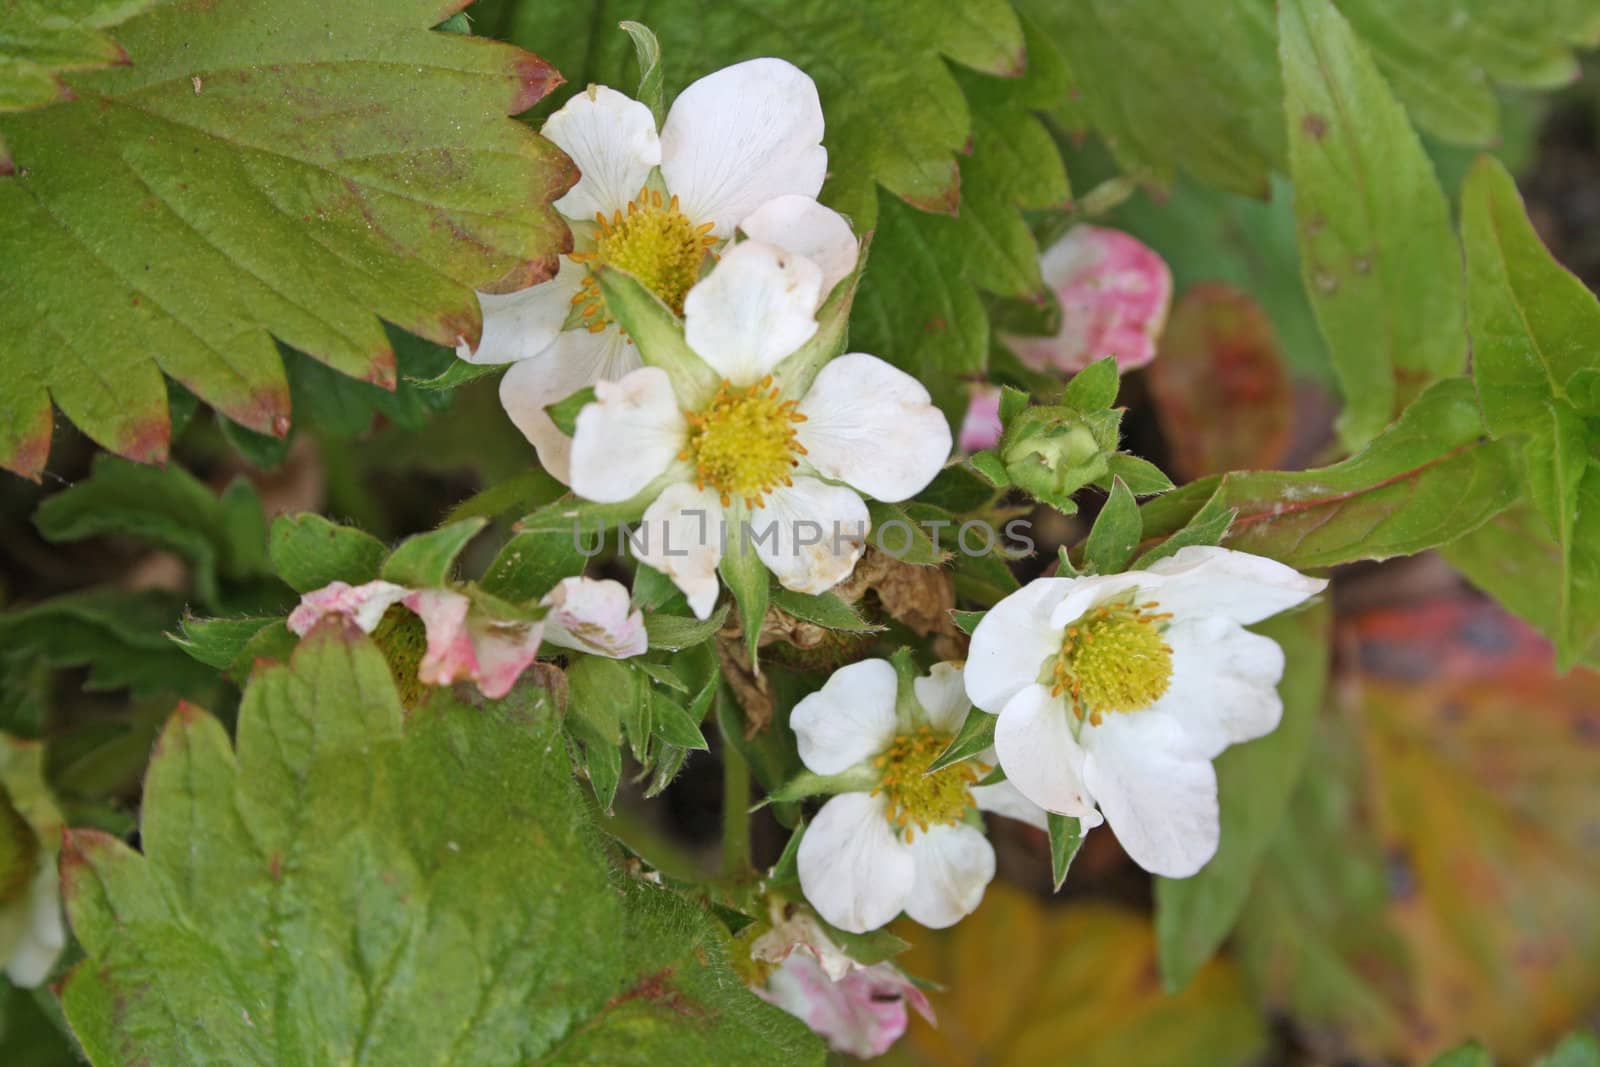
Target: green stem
[(735, 811)]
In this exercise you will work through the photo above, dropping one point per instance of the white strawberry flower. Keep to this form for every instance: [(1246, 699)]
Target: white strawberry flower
[(741, 440), (905, 840), (741, 147), (1115, 692)]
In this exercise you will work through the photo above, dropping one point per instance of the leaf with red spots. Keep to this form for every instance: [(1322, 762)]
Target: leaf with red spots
[(347, 884), (259, 170), (1380, 261), (1219, 384)]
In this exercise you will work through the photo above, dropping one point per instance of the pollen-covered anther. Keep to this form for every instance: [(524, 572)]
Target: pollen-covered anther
[(1114, 658), (743, 443), (916, 797), (653, 240)]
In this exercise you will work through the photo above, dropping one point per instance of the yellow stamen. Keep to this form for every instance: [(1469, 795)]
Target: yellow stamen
[(917, 798), (1113, 659), (743, 442)]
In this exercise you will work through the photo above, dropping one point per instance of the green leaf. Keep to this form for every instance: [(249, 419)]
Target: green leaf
[(308, 552), (1534, 328), (975, 735), (896, 532), (985, 580), (1185, 85), (807, 784), (1378, 256), (532, 562), (347, 892), (958, 490), (220, 643), (1142, 477), (517, 495), (967, 621), (1115, 534), (824, 609), (44, 38), (676, 726), (219, 192), (675, 632), (29, 1029), (1513, 558), (1066, 838), (1255, 782), (746, 578), (661, 674), (648, 50), (425, 560), (1208, 527), (1576, 1050), (1426, 481), (564, 413), (117, 634), (992, 467), (1471, 1054), (167, 507), (1094, 388)]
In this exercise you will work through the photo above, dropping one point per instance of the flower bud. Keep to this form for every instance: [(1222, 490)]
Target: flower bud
[(1052, 452)]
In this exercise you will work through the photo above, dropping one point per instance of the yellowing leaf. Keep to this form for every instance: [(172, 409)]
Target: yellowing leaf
[(1029, 983)]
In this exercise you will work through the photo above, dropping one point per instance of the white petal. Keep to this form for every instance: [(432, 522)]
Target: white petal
[(681, 536), (854, 869), (1013, 641), (1158, 795), (628, 437), (594, 616), (810, 534), (42, 935), (758, 305), (873, 426), (576, 359), (1202, 580), (1224, 683), (503, 650), (850, 719), (522, 324), (362, 604), (1034, 743), (1005, 799), (800, 224), (943, 695), (612, 138), (741, 136), (954, 866)]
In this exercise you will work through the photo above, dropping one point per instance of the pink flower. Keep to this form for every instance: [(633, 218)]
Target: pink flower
[(981, 428), (1114, 294), (463, 644), (593, 616), (862, 1013)]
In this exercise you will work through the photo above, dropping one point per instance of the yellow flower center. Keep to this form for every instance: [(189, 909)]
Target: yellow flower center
[(652, 240), (1114, 658), (920, 799), (743, 443)]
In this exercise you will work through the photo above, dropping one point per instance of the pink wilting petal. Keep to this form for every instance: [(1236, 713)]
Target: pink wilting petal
[(796, 929), (862, 1014), (1114, 293), (363, 604), (593, 616), (450, 656), (504, 649), (980, 428)]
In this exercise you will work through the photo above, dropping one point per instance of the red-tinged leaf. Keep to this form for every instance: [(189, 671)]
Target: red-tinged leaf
[(260, 173), (1428, 480), (1219, 385)]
